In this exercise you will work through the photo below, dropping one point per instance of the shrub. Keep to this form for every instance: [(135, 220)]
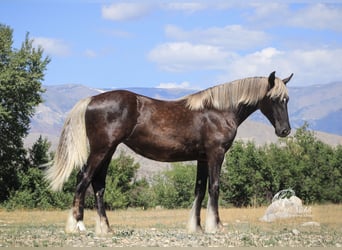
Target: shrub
[(174, 188)]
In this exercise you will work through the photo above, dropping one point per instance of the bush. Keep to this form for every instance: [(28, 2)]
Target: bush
[(245, 178), (174, 188), (142, 195), (34, 193), (252, 175), (120, 182)]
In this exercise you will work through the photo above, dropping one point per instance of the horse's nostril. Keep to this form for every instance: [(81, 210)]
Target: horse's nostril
[(286, 132)]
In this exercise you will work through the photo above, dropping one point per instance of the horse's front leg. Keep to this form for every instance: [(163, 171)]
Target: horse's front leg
[(213, 222), (194, 224)]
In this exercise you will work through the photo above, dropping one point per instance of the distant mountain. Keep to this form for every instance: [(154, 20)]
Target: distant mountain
[(319, 105), (160, 93), (59, 99), (331, 123)]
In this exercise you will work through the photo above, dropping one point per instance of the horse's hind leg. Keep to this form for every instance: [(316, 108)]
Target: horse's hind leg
[(75, 219), (97, 163), (98, 183)]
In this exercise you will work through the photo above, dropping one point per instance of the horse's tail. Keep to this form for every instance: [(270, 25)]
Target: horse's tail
[(73, 149)]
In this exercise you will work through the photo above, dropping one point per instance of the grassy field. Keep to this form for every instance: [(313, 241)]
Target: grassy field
[(38, 227)]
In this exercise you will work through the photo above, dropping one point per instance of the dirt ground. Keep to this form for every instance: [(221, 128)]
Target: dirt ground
[(159, 227)]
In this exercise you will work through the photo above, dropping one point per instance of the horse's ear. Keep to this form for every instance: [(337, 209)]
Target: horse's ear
[(286, 80), (271, 79)]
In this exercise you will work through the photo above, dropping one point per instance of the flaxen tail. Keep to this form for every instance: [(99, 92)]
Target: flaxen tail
[(72, 151)]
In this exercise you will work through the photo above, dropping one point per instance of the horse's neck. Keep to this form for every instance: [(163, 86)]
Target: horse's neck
[(243, 111)]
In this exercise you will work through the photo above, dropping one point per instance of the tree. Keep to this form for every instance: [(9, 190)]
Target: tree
[(174, 188), (120, 181), (21, 74), (33, 191), (39, 153), (246, 179)]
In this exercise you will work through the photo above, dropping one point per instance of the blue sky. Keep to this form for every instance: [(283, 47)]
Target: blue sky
[(190, 44)]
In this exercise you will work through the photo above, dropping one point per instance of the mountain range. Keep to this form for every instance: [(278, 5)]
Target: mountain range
[(319, 105)]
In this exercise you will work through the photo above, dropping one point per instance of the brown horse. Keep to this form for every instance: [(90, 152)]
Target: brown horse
[(201, 126)]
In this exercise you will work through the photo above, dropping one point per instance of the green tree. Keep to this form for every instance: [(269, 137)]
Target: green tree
[(308, 166), (336, 174), (39, 153), (246, 179), (120, 181), (141, 195), (33, 191), (316, 167), (21, 74), (174, 188)]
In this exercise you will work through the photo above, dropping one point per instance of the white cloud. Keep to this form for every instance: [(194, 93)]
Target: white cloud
[(231, 37), (90, 53), (184, 56), (272, 10), (125, 11), (318, 16), (256, 63), (189, 7), (312, 15), (52, 46), (309, 66)]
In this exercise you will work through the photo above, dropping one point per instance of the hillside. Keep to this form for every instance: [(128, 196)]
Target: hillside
[(319, 105), (304, 104)]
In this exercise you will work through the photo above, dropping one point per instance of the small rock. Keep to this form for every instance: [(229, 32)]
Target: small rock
[(311, 224), (295, 232)]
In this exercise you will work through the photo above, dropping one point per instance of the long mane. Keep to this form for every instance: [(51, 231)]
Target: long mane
[(229, 95)]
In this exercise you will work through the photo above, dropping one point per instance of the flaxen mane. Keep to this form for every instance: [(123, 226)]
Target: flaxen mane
[(229, 95)]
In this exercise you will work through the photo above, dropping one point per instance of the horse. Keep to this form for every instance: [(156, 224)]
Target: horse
[(198, 127)]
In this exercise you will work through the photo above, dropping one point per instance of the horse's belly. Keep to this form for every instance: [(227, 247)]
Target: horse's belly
[(164, 151)]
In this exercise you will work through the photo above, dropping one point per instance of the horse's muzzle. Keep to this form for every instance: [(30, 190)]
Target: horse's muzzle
[(283, 132)]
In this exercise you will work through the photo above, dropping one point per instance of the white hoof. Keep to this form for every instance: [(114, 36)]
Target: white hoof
[(193, 227), (101, 227), (80, 227), (192, 223), (210, 222), (73, 226)]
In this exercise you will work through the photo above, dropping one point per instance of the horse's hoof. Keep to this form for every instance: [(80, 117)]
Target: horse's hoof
[(102, 227), (80, 227), (73, 226), (218, 228), (196, 229)]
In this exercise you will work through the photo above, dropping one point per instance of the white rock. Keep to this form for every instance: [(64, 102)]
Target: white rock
[(311, 224), (295, 232)]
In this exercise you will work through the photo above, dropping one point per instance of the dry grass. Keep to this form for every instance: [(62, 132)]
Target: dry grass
[(327, 215), (159, 227)]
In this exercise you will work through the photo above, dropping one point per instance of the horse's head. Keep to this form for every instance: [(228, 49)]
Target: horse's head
[(274, 105)]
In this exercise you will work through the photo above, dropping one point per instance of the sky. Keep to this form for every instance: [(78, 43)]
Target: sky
[(188, 44)]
